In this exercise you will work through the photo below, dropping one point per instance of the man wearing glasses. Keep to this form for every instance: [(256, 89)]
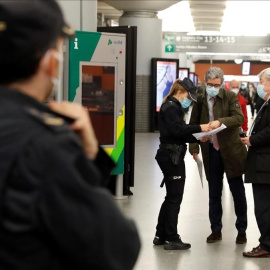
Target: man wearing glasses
[(223, 152)]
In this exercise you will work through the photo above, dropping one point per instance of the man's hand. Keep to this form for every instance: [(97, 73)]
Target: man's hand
[(82, 125), (246, 141), (215, 124)]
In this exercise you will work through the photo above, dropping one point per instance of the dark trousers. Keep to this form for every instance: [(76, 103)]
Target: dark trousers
[(215, 184), (174, 176), (261, 194), (252, 109)]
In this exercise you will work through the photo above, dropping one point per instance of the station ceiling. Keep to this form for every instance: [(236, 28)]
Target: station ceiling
[(204, 16), (207, 15)]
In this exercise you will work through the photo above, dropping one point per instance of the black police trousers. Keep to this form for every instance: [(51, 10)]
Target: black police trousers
[(174, 177)]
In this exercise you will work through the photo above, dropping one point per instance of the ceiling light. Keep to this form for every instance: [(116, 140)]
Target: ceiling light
[(238, 61)]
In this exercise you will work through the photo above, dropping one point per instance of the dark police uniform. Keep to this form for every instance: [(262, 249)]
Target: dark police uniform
[(53, 212), (174, 133)]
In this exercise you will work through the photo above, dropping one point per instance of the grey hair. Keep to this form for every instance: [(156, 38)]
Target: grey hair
[(214, 73), (266, 72)]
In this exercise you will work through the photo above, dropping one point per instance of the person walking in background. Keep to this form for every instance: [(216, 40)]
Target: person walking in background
[(234, 87), (223, 152), (174, 134), (257, 170), (245, 93), (55, 212)]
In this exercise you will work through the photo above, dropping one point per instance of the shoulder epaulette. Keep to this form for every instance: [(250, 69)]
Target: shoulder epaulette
[(49, 120)]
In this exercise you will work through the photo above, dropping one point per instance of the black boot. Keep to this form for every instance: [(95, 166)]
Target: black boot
[(176, 245)]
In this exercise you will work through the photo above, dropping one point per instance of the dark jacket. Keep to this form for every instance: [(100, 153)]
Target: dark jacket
[(173, 128), (245, 94), (228, 111), (258, 102), (257, 169), (54, 214)]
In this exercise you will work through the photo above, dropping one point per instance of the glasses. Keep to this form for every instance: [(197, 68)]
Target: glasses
[(213, 85)]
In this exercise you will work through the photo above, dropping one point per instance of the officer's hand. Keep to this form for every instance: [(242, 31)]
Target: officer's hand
[(206, 127), (82, 125), (195, 156)]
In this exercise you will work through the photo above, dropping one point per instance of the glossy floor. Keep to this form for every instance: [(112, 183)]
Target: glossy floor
[(193, 224)]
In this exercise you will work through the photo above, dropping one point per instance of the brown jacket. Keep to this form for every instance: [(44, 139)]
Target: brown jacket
[(228, 111)]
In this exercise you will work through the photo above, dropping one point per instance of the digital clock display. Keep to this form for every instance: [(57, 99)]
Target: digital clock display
[(219, 39)]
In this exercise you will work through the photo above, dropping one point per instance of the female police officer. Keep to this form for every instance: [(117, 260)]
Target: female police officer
[(174, 133)]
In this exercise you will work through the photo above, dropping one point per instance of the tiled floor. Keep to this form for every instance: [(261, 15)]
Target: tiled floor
[(193, 223)]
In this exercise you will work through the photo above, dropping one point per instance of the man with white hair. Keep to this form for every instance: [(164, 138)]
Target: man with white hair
[(257, 170)]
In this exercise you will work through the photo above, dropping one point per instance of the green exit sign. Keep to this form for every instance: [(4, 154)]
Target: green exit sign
[(169, 48)]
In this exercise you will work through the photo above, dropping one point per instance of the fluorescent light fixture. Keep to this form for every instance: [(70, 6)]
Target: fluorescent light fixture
[(238, 61)]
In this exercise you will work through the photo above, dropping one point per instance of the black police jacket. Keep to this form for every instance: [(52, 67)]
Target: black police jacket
[(173, 129), (54, 214), (257, 169)]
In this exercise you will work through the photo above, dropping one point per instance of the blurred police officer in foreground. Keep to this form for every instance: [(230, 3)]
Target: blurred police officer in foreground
[(54, 212)]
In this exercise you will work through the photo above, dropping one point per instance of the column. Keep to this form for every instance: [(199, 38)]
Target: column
[(149, 45), (80, 14)]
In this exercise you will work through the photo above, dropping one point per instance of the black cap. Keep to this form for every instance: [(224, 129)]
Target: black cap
[(30, 25), (190, 87)]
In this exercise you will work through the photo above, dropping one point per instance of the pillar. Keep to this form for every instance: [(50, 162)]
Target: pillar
[(80, 14), (149, 45)]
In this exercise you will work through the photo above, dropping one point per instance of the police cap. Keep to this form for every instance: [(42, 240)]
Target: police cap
[(190, 87)]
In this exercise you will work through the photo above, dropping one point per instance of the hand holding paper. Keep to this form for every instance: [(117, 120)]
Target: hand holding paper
[(200, 135)]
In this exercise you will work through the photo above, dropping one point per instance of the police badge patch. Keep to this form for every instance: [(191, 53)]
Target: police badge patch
[(237, 105)]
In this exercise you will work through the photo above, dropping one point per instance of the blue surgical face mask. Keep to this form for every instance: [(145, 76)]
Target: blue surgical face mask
[(185, 103), (212, 91), (260, 91)]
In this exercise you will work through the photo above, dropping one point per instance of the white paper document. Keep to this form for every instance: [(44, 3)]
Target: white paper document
[(200, 169), (200, 135)]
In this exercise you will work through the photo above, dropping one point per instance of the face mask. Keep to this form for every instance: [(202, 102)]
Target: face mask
[(185, 103), (242, 87), (260, 91), (235, 90), (212, 91), (56, 81)]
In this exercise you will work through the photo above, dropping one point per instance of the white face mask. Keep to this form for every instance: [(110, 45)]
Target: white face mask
[(56, 81), (235, 90)]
